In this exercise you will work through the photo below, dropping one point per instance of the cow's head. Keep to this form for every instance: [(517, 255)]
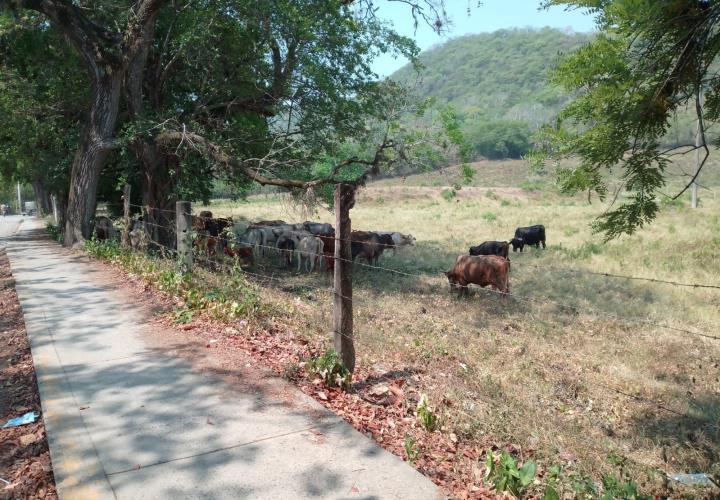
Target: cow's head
[(517, 243), (452, 279), (409, 239)]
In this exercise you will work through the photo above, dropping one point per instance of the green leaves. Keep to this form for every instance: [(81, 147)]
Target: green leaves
[(505, 475), (648, 63)]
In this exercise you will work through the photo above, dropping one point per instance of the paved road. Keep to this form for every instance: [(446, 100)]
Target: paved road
[(125, 420)]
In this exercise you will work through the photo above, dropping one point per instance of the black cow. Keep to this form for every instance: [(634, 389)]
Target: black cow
[(500, 248), (531, 235)]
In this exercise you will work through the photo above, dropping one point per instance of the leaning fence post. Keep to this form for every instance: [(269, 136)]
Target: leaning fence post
[(183, 211), (342, 301), (125, 240)]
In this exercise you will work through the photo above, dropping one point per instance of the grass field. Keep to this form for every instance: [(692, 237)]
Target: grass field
[(570, 366)]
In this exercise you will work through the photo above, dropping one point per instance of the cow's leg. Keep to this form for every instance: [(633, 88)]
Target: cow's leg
[(543, 244)]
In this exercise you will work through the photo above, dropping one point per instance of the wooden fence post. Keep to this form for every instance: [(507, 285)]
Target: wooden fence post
[(183, 211), (125, 240), (342, 302)]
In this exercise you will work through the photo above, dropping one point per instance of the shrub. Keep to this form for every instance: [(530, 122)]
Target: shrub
[(54, 231), (489, 216), (448, 194), (427, 418), (505, 475), (330, 369)]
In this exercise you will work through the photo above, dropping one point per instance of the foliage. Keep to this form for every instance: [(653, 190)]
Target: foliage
[(54, 232), (412, 450), (650, 62), (425, 415), (500, 138), (330, 369), (504, 473), (495, 76)]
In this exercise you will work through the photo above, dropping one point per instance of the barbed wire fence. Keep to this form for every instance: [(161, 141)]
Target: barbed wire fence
[(215, 261)]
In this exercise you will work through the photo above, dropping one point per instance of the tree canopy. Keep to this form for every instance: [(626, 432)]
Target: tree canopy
[(650, 62)]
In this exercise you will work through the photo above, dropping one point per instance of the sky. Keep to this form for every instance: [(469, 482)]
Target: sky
[(492, 15)]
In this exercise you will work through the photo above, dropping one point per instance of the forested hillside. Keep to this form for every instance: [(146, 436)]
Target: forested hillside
[(499, 75), (499, 83)]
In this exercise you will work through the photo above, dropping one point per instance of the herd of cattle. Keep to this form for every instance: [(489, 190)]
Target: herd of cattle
[(313, 243)]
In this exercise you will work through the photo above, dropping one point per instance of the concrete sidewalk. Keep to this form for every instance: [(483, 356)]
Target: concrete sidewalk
[(125, 420)]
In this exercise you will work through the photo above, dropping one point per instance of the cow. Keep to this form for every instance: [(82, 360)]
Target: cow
[(319, 228), (531, 235), (286, 246), (481, 270), (104, 229), (386, 242), (500, 248), (400, 240), (266, 223), (366, 245), (328, 251), (310, 250), (241, 251)]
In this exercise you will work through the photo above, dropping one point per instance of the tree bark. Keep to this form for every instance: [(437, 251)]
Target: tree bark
[(159, 191), (95, 144)]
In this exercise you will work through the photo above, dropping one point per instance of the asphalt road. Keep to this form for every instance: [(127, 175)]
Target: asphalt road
[(8, 226)]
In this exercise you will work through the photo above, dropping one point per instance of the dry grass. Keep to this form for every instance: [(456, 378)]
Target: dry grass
[(574, 385)]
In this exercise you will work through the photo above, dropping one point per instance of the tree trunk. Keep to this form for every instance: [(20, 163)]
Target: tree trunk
[(42, 198), (159, 192), (95, 144)]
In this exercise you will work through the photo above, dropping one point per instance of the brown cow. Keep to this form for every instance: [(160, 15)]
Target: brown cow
[(328, 251), (366, 245), (481, 270)]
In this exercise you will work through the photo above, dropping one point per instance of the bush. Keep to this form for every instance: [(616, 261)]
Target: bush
[(504, 473), (448, 194), (330, 369), (54, 231)]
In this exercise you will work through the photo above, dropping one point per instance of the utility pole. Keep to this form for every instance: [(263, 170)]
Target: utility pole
[(19, 199)]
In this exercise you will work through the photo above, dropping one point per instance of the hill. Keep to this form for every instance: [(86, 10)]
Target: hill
[(496, 76), (499, 83)]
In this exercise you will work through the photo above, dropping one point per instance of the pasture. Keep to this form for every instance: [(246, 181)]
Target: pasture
[(573, 365)]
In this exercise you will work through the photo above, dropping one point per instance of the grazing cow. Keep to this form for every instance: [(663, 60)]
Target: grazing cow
[(531, 235), (310, 250), (366, 245), (286, 246), (480, 270), (104, 229), (319, 228), (386, 242), (400, 240), (328, 251), (500, 248)]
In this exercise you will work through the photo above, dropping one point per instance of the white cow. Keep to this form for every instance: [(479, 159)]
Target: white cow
[(311, 249)]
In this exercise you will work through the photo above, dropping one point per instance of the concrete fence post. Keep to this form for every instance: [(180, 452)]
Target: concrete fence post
[(183, 216), (125, 240)]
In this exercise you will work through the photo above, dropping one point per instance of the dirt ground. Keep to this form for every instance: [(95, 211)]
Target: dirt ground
[(24, 455)]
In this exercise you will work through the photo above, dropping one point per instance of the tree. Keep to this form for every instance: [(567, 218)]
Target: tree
[(106, 54), (649, 61), (41, 101), (116, 59)]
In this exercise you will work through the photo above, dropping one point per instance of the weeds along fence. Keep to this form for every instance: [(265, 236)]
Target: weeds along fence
[(321, 293)]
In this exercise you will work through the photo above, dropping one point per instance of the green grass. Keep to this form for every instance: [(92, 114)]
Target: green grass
[(552, 370)]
